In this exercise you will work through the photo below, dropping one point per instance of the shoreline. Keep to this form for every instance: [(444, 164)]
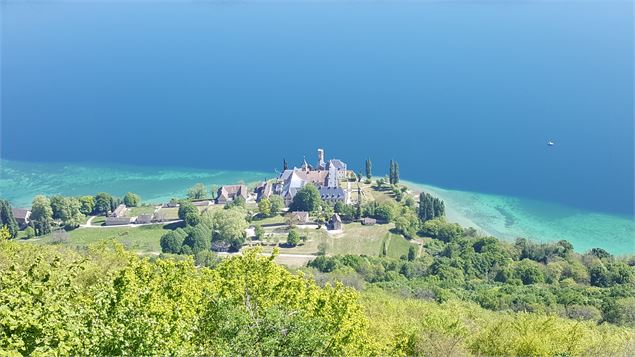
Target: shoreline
[(503, 217), (508, 218), (452, 214)]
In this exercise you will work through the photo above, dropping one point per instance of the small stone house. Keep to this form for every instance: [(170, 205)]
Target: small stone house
[(144, 218), (204, 203), (119, 211), (22, 216), (231, 192), (298, 217), (264, 190), (335, 223), (117, 221), (367, 221)]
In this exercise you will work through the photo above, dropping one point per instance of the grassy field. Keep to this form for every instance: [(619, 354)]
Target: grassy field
[(207, 208), (398, 245), (355, 239), (138, 239), (169, 214), (136, 211), (269, 220), (98, 221)]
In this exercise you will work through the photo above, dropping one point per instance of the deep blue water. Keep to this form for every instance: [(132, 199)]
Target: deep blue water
[(463, 94)]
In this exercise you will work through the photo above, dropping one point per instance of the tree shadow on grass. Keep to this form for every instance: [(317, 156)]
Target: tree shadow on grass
[(173, 226)]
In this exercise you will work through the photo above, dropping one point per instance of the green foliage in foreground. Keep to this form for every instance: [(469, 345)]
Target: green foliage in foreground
[(106, 301), (526, 276), (411, 327)]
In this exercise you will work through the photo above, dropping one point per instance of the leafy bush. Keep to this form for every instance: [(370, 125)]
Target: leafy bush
[(110, 302)]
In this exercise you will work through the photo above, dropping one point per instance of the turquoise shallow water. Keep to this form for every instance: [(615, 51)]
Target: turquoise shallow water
[(511, 217), (20, 181)]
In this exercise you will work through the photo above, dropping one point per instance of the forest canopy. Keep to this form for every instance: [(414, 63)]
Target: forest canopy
[(106, 301)]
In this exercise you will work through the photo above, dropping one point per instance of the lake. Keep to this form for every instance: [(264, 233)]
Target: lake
[(464, 94)]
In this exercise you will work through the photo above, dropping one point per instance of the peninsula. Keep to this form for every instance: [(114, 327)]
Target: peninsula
[(388, 243)]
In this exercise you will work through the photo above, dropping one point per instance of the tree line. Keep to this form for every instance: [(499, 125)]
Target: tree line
[(67, 212)]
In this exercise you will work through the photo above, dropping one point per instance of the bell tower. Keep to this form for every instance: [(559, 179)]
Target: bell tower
[(321, 164)]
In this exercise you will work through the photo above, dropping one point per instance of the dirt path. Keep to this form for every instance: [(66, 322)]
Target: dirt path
[(88, 223), (131, 225)]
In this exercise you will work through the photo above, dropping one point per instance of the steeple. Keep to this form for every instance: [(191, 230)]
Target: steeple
[(321, 164), (305, 165)]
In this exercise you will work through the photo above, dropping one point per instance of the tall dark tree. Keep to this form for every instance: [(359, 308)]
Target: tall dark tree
[(172, 241), (131, 199), (412, 253), (393, 175), (369, 169), (199, 238), (430, 207), (103, 203), (187, 208), (41, 215), (285, 165), (59, 205), (7, 219), (307, 199), (358, 209)]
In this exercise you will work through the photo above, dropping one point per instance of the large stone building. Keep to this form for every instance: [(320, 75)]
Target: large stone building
[(325, 175)]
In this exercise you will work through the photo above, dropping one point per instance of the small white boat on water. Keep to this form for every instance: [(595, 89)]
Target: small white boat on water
[(551, 143)]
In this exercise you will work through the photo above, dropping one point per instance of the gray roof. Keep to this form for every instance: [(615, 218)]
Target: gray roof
[(340, 165), (285, 174), (302, 216), (331, 192), (119, 210), (20, 213), (202, 203), (144, 218), (118, 220)]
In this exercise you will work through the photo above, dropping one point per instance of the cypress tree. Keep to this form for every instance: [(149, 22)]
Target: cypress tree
[(391, 173), (429, 206), (369, 169), (285, 166), (358, 210), (422, 207), (7, 219), (396, 172)]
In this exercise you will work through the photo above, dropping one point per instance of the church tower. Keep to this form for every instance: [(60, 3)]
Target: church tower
[(321, 164)]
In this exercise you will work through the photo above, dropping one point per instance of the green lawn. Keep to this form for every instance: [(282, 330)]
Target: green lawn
[(98, 221), (269, 220), (21, 235), (136, 211), (355, 239), (169, 214), (207, 208), (139, 239), (398, 245)]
